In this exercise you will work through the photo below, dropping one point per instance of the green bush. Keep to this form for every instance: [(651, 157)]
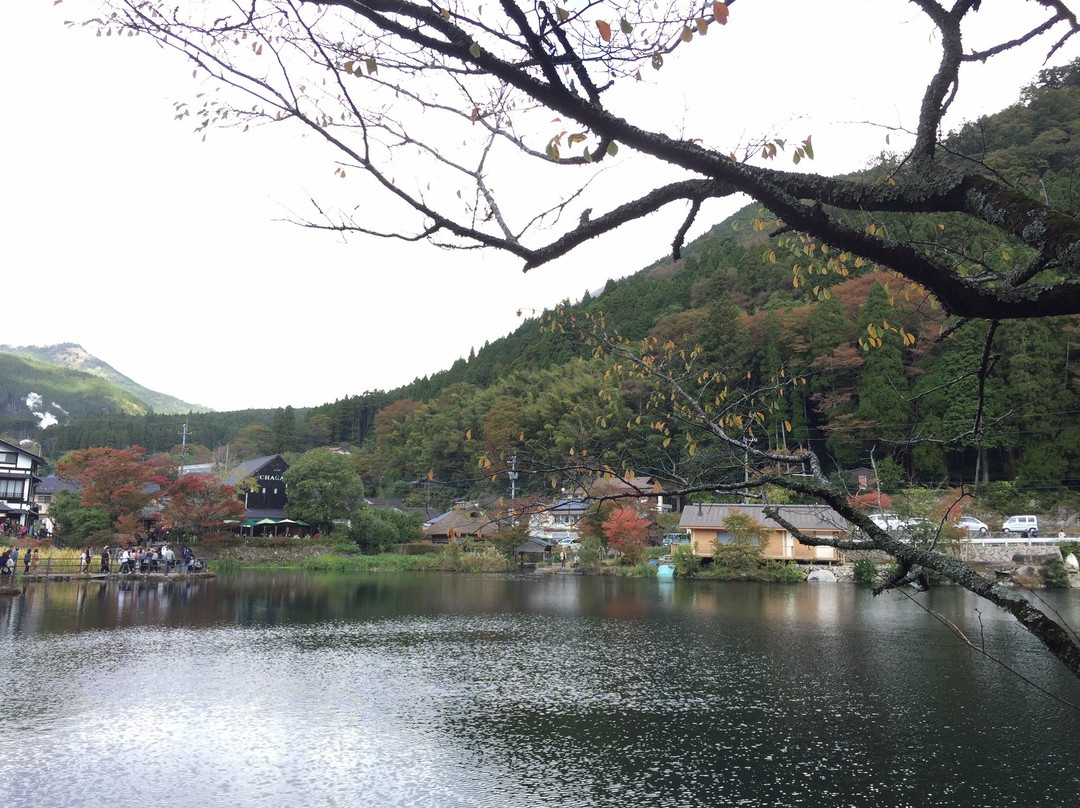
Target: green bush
[(642, 571), (420, 548), (783, 572), (1054, 574), (865, 570), (1067, 547), (687, 565)]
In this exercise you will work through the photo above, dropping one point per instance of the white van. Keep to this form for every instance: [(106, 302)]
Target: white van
[(1024, 525)]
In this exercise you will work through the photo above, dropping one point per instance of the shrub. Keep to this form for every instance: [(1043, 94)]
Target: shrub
[(420, 547), (1067, 547), (783, 572), (1054, 574), (865, 570), (687, 565)]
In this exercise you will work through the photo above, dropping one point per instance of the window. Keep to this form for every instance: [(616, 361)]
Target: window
[(9, 458), (11, 489)]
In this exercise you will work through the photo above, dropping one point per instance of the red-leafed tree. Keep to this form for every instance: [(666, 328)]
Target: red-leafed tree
[(118, 481), (195, 503), (626, 531)]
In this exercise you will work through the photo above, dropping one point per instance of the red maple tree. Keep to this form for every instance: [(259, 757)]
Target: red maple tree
[(118, 481), (626, 530), (194, 503)]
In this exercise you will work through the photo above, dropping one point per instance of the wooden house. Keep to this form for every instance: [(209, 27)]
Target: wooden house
[(705, 524), (18, 481), (267, 497)]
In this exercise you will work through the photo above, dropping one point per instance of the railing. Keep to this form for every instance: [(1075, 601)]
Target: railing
[(1016, 538), (49, 567)]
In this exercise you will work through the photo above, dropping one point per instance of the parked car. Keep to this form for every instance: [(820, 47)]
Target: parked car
[(1024, 525), (676, 538), (570, 544), (973, 525)]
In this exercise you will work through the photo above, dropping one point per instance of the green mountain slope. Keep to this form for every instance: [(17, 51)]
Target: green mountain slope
[(35, 394), (135, 399)]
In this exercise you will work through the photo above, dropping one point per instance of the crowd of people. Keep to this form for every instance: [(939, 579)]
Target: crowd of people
[(9, 561), (11, 527), (140, 559)]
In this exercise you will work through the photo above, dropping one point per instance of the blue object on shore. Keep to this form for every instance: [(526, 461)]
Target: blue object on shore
[(665, 571)]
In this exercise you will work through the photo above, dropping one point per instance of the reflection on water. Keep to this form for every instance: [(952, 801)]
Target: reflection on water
[(270, 688)]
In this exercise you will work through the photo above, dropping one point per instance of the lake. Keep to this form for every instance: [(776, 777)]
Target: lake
[(283, 688)]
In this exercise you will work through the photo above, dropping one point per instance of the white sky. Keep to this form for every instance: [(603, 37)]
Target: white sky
[(167, 256)]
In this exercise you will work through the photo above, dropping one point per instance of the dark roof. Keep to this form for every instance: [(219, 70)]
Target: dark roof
[(568, 506), (21, 449), (533, 546), (52, 484), (803, 517), (249, 468)]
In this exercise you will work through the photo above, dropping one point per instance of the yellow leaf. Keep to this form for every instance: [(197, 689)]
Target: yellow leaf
[(687, 34), (468, 435), (605, 30), (787, 426), (702, 26), (562, 14), (431, 474)]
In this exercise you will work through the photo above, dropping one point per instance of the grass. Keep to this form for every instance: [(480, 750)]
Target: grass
[(225, 565), (453, 558), (385, 562)]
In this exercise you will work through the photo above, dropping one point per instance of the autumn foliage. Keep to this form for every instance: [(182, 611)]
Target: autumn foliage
[(626, 531), (118, 481), (196, 502)]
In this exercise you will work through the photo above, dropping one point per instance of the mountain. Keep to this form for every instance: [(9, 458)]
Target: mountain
[(58, 381)]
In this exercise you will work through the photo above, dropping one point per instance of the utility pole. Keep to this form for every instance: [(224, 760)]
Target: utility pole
[(183, 446), (513, 477)]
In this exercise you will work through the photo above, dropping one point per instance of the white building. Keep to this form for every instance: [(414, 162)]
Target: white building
[(18, 479)]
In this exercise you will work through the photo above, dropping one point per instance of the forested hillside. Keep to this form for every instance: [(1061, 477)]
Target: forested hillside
[(33, 392), (73, 357), (861, 364)]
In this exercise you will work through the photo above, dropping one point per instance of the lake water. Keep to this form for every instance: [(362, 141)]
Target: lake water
[(286, 689)]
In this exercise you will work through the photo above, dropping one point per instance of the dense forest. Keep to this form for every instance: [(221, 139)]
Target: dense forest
[(872, 369)]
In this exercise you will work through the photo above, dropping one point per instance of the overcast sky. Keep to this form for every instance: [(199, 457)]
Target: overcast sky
[(168, 257)]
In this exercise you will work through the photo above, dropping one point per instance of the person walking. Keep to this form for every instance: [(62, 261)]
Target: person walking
[(105, 558), (33, 561)]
